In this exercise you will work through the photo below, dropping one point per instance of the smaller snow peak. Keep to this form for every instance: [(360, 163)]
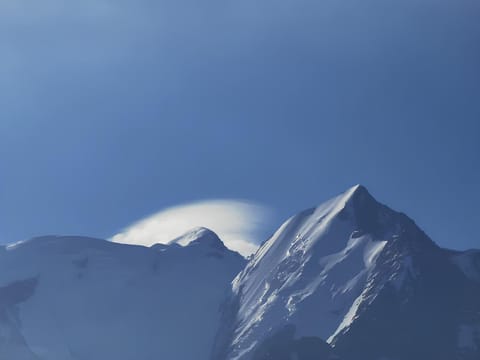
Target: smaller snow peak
[(199, 235), (204, 235), (201, 231)]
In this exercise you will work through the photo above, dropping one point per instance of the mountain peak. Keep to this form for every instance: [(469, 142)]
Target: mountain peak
[(356, 193), (356, 188), (199, 235), (316, 268), (371, 215)]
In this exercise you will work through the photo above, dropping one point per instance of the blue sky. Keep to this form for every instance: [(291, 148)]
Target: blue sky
[(113, 110)]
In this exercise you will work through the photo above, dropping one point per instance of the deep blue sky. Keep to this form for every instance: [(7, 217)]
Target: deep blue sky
[(112, 110)]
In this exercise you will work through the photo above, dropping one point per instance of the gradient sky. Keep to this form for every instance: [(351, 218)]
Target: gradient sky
[(113, 110)]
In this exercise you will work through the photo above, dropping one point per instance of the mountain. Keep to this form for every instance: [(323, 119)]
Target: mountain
[(348, 280), (77, 298), (353, 279)]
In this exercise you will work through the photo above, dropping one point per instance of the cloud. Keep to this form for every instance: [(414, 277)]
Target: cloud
[(242, 225)]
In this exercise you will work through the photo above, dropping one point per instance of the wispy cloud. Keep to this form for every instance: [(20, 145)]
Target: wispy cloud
[(240, 224)]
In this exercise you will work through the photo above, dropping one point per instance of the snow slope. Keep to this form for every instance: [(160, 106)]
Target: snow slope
[(75, 298)]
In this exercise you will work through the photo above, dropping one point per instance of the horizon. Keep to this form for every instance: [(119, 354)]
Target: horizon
[(241, 237)]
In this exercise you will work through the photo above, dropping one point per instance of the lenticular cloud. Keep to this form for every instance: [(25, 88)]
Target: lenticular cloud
[(240, 224)]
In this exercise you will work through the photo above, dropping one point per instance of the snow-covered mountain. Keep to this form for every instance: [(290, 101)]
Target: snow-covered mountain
[(350, 280), (356, 280), (74, 298)]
